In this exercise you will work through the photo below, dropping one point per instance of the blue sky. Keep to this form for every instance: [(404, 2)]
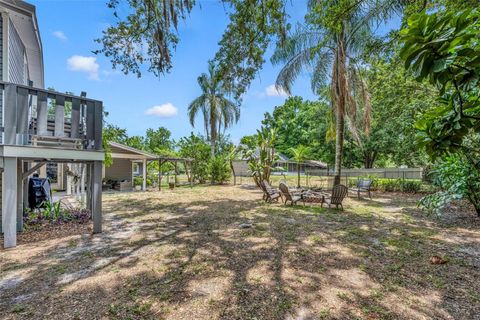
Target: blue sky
[(68, 30)]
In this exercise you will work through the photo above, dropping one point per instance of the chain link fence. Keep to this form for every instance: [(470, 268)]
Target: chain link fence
[(323, 178)]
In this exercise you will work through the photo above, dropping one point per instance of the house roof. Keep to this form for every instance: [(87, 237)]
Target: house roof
[(282, 157), (24, 19), (317, 163), (122, 151), (312, 163)]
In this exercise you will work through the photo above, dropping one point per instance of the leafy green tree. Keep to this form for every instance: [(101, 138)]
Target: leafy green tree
[(195, 147), (249, 141), (397, 101), (145, 33), (137, 142), (443, 47), (111, 133), (159, 141), (216, 109), (301, 122), (300, 154), (254, 24)]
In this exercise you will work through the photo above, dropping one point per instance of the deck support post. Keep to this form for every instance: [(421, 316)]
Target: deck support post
[(144, 175), (88, 187), (159, 175), (175, 173), (9, 202), (20, 195), (96, 187)]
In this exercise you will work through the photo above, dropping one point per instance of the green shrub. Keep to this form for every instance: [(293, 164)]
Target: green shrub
[(391, 185), (200, 170), (138, 181), (411, 186), (218, 169), (458, 177)]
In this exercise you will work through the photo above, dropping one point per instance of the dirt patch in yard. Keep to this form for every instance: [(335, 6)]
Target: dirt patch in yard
[(221, 253)]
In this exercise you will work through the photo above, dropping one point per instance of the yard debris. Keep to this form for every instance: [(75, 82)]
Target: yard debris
[(437, 260), (290, 221), (245, 225)]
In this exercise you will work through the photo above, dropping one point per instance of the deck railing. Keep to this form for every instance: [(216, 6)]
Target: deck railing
[(38, 117)]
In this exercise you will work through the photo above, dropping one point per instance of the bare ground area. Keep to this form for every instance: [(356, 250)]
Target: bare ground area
[(186, 254)]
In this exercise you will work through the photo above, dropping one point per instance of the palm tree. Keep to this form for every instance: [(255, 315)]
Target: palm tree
[(300, 154), (217, 110), (332, 40)]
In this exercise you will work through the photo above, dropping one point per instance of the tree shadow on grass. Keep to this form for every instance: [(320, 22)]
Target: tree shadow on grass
[(191, 259)]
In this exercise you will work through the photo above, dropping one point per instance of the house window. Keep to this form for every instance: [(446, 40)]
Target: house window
[(136, 168)]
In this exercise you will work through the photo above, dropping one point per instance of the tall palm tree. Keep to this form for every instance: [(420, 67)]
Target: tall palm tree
[(216, 108), (328, 46), (300, 154)]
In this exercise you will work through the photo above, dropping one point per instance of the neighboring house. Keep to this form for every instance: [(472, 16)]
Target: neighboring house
[(306, 166), (29, 138), (241, 168), (127, 163)]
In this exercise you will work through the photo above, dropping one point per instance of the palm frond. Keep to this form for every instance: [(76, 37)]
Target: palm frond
[(321, 71), (194, 107)]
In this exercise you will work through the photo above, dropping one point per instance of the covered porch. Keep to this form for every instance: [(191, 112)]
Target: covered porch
[(127, 163)]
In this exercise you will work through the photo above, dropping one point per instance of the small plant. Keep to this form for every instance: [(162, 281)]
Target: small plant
[(52, 210), (54, 213), (81, 215)]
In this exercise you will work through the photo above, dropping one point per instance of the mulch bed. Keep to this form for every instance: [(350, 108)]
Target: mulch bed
[(51, 231)]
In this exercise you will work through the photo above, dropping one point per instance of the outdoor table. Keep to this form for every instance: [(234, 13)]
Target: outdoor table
[(314, 196)]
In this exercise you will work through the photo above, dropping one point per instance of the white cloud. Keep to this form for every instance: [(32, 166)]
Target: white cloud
[(166, 110), (272, 91), (88, 65), (60, 35)]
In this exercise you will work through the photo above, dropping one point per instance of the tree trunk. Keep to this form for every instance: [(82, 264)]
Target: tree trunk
[(212, 147), (233, 172), (340, 128), (369, 159), (213, 128), (339, 97), (298, 175)]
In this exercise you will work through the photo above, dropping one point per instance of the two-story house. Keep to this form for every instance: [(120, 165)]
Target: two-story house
[(38, 126)]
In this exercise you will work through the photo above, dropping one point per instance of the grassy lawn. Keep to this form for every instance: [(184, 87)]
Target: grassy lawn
[(183, 254)]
